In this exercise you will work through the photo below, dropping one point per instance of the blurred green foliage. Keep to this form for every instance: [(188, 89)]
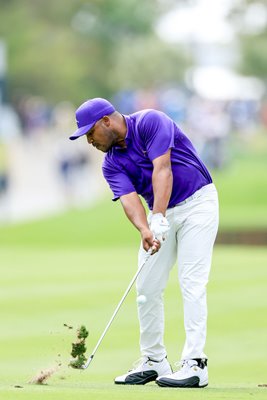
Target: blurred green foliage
[(254, 51), (252, 41), (75, 49)]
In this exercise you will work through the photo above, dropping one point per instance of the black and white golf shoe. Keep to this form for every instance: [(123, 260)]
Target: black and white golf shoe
[(146, 371), (192, 374)]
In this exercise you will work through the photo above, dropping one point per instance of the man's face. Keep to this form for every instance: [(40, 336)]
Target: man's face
[(101, 135)]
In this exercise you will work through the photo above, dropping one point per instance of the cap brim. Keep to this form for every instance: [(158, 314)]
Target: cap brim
[(81, 131)]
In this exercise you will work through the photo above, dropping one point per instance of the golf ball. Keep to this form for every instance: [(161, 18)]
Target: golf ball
[(141, 299)]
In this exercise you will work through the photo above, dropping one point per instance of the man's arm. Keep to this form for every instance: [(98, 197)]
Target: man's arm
[(162, 181), (135, 211)]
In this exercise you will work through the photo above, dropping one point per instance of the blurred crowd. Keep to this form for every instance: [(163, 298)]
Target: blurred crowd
[(208, 123), (36, 156)]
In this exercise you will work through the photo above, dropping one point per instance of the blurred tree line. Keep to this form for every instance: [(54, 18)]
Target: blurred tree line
[(77, 49), (249, 18)]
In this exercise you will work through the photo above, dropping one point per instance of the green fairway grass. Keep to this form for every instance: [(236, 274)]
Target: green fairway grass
[(44, 288), (242, 185)]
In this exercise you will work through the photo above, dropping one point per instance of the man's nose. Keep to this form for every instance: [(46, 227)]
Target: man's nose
[(89, 140)]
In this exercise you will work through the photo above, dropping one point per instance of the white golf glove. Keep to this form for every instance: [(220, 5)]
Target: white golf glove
[(159, 225)]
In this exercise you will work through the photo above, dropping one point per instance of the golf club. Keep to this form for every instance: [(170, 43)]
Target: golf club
[(86, 365)]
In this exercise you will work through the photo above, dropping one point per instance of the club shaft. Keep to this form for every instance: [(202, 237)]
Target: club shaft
[(116, 311)]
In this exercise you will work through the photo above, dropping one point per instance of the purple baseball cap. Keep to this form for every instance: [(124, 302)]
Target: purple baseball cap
[(89, 113)]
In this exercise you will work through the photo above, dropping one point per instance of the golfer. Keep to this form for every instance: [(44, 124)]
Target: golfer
[(148, 155)]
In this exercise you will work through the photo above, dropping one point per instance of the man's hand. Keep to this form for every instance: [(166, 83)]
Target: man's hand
[(135, 211), (159, 226), (149, 241)]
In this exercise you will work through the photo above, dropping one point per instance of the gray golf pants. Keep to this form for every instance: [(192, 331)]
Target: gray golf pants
[(193, 229)]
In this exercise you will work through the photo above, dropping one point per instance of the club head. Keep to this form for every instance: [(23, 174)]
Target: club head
[(88, 362)]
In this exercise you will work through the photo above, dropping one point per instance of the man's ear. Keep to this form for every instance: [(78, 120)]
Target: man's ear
[(106, 120)]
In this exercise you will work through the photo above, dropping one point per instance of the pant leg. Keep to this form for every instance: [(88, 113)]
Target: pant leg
[(151, 283), (195, 245)]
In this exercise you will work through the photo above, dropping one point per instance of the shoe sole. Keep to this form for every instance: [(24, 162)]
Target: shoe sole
[(192, 382), (139, 378)]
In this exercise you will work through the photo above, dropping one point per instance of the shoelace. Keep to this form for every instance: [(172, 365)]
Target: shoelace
[(184, 364), (139, 362)]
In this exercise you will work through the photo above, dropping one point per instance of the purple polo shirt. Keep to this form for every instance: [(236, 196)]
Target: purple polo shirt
[(150, 134)]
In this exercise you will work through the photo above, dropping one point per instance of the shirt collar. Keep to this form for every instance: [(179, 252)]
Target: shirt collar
[(127, 120)]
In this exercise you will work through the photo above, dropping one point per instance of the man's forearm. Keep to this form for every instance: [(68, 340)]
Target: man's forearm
[(162, 181), (135, 211)]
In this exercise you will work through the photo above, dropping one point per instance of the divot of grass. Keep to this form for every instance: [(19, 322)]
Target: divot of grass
[(79, 348)]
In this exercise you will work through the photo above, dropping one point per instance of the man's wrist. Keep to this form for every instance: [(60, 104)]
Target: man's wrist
[(144, 229), (157, 216), (158, 212)]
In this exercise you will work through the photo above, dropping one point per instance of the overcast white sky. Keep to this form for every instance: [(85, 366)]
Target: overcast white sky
[(204, 22)]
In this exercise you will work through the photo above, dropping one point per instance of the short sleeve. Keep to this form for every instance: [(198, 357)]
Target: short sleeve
[(157, 131), (118, 181)]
